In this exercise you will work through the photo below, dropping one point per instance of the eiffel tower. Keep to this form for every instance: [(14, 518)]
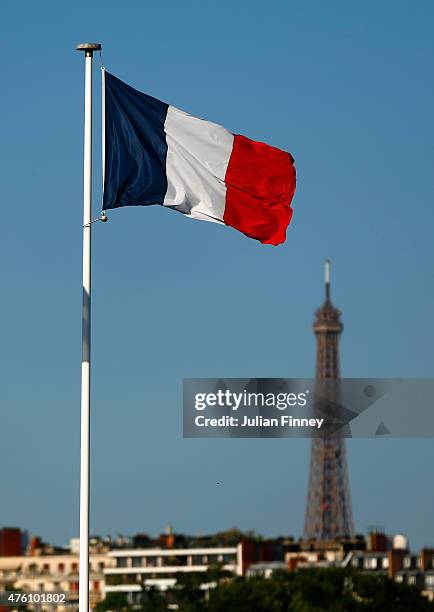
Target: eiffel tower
[(329, 514)]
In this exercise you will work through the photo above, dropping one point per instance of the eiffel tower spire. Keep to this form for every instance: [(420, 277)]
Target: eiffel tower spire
[(328, 513)]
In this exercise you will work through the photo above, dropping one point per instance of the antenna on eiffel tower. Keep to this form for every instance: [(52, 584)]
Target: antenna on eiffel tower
[(327, 278)]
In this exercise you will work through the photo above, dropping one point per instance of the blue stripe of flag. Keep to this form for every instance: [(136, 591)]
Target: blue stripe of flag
[(135, 146)]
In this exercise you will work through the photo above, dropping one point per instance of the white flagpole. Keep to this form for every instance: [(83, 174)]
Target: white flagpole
[(88, 49)]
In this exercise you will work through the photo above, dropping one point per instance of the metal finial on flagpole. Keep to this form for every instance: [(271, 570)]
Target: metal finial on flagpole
[(91, 47), (88, 49)]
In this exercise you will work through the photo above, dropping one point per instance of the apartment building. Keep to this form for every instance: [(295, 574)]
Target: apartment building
[(132, 570), (414, 569), (53, 572)]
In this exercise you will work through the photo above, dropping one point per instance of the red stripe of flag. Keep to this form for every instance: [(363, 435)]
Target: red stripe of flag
[(260, 184)]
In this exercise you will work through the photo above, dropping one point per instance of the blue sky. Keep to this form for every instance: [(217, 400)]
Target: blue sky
[(348, 89)]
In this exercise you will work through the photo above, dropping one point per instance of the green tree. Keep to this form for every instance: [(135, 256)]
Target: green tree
[(316, 590), (259, 594), (113, 601), (380, 594), (188, 592), (153, 601), (323, 590), (307, 590)]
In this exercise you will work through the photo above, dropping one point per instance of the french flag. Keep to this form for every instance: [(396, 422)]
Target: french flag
[(158, 154)]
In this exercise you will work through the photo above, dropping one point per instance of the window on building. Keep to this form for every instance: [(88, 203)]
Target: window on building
[(137, 561), (74, 568), (371, 563), (96, 585), (121, 562), (113, 579), (46, 567), (151, 561), (429, 580), (175, 560), (73, 587), (61, 567), (228, 558), (385, 563), (198, 560), (407, 562), (411, 580)]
